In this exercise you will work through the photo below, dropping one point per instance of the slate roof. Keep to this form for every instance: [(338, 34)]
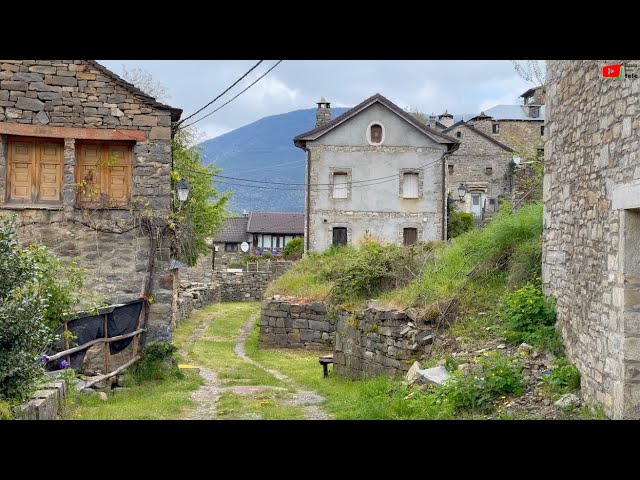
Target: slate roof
[(234, 230), (512, 112), (143, 97), (434, 134), (276, 222)]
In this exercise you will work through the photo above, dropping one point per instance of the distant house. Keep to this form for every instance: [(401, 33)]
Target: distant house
[(263, 231), (374, 171)]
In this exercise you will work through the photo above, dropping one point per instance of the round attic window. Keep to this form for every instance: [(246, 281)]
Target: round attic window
[(375, 133)]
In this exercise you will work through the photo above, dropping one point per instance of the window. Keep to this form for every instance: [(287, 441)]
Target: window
[(340, 185), (410, 236), (410, 185), (230, 247), (103, 174), (534, 112), (541, 129), (540, 152), (495, 128), (266, 241), (339, 236), (34, 170), (376, 133), (492, 201), (488, 170), (458, 134), (450, 169), (255, 241)]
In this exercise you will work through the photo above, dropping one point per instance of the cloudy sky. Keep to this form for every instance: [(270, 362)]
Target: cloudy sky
[(427, 85)]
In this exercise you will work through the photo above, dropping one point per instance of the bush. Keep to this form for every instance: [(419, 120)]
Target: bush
[(156, 363), (528, 316), (457, 222), (295, 246), (564, 377), (266, 255), (5, 411), (35, 291)]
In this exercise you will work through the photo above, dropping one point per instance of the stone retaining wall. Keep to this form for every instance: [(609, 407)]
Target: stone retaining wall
[(45, 404), (373, 342), (194, 295), (247, 286), (288, 322)]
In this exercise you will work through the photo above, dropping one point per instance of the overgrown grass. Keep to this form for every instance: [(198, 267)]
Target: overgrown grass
[(265, 405), (229, 317), (163, 400)]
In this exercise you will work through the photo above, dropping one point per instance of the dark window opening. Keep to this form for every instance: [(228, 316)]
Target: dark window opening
[(410, 236), (540, 152), (488, 170), (230, 247), (376, 133), (458, 134), (339, 236), (534, 112), (255, 241), (541, 129), (492, 201), (495, 128), (450, 169)]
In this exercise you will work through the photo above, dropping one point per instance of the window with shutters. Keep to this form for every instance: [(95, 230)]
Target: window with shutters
[(410, 185), (34, 170), (410, 236), (339, 236), (103, 174), (340, 185)]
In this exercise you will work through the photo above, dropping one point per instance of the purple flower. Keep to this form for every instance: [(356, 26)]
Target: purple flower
[(44, 359), (63, 364)]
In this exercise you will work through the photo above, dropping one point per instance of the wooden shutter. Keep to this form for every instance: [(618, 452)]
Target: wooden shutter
[(88, 175), (410, 236), (339, 236), (50, 174), (21, 170), (118, 174), (410, 185), (340, 185)]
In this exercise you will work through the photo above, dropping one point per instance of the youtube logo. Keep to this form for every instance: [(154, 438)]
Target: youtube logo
[(612, 71)]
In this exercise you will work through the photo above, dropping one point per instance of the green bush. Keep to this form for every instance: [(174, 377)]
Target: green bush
[(564, 377), (36, 290), (457, 222), (295, 246), (528, 316), (5, 411), (156, 363), (266, 255)]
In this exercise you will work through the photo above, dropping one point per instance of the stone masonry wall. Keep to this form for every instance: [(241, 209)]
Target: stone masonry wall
[(592, 227), (193, 295), (75, 99), (246, 286), (374, 342), (288, 322), (46, 403)]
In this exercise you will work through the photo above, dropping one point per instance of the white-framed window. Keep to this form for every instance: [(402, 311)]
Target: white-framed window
[(340, 185), (375, 133), (410, 185)]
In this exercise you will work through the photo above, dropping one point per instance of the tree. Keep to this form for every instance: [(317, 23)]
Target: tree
[(145, 82), (531, 71), (418, 115)]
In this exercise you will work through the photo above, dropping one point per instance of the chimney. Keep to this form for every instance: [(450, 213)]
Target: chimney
[(446, 119), (323, 113), (245, 214)]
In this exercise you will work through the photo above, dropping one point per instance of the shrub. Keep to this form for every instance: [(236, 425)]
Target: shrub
[(5, 411), (564, 377), (457, 222), (266, 255), (528, 316), (295, 246), (156, 363)]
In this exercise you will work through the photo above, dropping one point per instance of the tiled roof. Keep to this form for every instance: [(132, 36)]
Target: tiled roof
[(234, 230), (276, 222)]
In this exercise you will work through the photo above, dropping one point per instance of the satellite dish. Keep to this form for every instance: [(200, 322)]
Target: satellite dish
[(244, 246)]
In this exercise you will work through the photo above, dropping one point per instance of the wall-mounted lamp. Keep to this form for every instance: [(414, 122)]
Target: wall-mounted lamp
[(183, 191), (462, 191)]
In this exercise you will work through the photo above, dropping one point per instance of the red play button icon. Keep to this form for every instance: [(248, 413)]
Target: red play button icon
[(611, 71)]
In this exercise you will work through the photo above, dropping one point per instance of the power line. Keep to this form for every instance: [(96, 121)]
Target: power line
[(233, 85), (233, 98)]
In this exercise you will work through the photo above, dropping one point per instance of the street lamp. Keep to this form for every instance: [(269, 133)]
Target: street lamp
[(462, 191), (183, 191)]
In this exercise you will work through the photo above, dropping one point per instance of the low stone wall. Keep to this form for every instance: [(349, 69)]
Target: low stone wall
[(45, 404), (247, 286), (288, 322), (374, 342), (194, 295)]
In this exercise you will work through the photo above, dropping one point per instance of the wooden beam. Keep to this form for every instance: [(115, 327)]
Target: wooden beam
[(72, 132), (99, 378), (55, 357)]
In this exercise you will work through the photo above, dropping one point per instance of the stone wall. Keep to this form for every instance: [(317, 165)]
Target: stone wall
[(592, 227), (246, 286), (46, 403), (374, 342), (193, 295), (79, 100), (521, 135), (288, 322)]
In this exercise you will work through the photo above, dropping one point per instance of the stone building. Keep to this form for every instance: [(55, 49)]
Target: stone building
[(82, 152), (591, 263), (374, 170)]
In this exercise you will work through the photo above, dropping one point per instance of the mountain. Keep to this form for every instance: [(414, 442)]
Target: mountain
[(264, 150)]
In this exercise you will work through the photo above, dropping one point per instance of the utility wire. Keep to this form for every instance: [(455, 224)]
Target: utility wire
[(233, 98), (233, 85)]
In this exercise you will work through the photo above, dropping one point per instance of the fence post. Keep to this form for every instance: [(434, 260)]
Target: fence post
[(66, 341), (106, 346)]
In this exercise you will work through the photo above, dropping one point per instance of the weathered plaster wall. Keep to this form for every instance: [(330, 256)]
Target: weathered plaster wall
[(592, 227)]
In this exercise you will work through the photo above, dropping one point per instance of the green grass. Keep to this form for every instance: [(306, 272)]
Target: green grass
[(165, 400), (265, 405), (228, 318)]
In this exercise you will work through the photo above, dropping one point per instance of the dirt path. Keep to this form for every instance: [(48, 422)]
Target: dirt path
[(207, 396)]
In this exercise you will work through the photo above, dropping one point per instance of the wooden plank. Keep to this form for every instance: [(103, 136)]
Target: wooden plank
[(99, 378), (55, 357), (72, 132)]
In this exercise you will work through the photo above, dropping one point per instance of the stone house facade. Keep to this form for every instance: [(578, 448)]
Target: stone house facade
[(374, 170), (81, 151), (591, 263)]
